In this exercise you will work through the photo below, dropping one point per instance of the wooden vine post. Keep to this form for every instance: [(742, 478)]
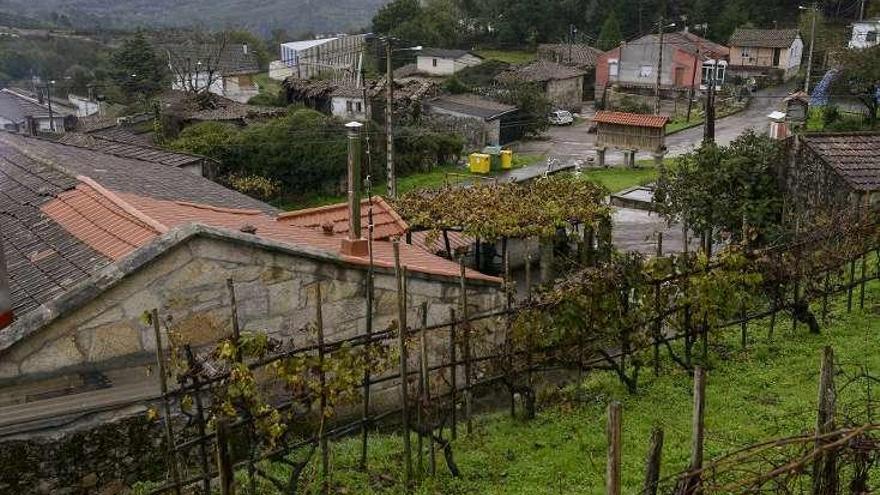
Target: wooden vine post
[(371, 283), (658, 319), (224, 459), (694, 481), (825, 479), (236, 340), (401, 346), (453, 373), (652, 462), (322, 377), (201, 426), (426, 389), (466, 327), (613, 431), (166, 407)]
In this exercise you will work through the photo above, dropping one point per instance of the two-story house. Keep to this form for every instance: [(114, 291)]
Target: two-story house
[(774, 53), (444, 62), (686, 58), (226, 70)]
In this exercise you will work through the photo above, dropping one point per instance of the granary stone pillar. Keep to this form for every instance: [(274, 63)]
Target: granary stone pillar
[(658, 159), (600, 157)]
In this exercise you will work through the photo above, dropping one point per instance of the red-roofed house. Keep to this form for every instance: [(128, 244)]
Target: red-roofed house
[(93, 240)]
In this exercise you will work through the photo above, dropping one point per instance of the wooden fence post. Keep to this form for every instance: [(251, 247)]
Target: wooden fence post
[(401, 345), (166, 407), (825, 466), (849, 291), (744, 331), (322, 377), (697, 431), (224, 462), (862, 285), (652, 463), (466, 327), (612, 473), (825, 292)]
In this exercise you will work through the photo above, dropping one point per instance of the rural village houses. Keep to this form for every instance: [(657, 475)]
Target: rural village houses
[(865, 33), (225, 69), (445, 62), (578, 55), (563, 85), (20, 112)]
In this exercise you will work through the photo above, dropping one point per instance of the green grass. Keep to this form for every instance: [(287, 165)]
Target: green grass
[(619, 178), (267, 85), (509, 56), (766, 391), (680, 124)]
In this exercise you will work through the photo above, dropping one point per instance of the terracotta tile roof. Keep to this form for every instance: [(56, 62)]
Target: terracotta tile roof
[(764, 38), (93, 217), (688, 42), (386, 222), (854, 156), (631, 119)]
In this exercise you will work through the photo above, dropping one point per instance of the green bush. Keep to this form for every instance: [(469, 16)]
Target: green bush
[(630, 104)]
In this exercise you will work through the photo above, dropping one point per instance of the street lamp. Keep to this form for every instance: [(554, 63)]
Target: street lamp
[(815, 10), (389, 112)]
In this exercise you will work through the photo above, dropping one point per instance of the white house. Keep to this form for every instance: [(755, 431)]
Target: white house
[(865, 34), (350, 103), (229, 70), (443, 62), (85, 106), (22, 113), (766, 51)]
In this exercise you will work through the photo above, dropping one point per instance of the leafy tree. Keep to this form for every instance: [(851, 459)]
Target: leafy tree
[(394, 14), (533, 106), (860, 76), (137, 69), (726, 189), (609, 36)]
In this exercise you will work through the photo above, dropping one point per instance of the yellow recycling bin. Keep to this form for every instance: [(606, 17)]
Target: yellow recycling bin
[(480, 163), (506, 159)]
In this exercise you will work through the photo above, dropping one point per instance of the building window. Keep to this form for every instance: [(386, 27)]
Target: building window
[(745, 53), (871, 36), (434, 62), (613, 67), (646, 70), (348, 106), (360, 107)]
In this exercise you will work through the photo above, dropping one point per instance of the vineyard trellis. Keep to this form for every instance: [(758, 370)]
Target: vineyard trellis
[(252, 401)]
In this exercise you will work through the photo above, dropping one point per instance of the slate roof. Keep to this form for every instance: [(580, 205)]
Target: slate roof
[(578, 54), (229, 59), (764, 38), (631, 119), (129, 150), (68, 212), (445, 53), (539, 71), (472, 105), (854, 156), (16, 107)]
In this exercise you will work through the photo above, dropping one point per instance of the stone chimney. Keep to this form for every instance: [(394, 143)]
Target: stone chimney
[(6, 315), (355, 244)]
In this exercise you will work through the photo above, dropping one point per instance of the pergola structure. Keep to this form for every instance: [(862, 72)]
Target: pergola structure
[(630, 132)]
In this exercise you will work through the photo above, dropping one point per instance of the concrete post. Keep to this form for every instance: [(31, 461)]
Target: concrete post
[(600, 157)]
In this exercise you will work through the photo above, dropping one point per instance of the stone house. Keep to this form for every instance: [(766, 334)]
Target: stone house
[(93, 240), (26, 114), (563, 85), (833, 171), (633, 66), (445, 62), (578, 55), (482, 122), (774, 53)]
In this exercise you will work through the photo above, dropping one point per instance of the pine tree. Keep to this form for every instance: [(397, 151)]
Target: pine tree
[(137, 69), (609, 36)]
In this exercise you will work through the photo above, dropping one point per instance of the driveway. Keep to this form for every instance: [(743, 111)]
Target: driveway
[(567, 146)]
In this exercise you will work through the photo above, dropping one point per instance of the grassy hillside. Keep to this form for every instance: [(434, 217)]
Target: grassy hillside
[(296, 16)]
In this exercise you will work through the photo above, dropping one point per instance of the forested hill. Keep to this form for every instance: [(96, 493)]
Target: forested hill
[(259, 16)]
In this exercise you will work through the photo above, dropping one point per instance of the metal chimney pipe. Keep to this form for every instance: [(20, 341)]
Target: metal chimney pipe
[(355, 245), (6, 315)]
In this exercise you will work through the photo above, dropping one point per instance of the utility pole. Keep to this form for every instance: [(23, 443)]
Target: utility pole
[(815, 10), (389, 115), (572, 31), (49, 101), (709, 129), (692, 89), (661, 28), (862, 10)]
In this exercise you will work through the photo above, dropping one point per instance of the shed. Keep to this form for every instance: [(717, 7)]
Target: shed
[(480, 120), (797, 107)]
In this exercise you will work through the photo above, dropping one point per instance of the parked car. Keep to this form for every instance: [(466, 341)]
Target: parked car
[(561, 117)]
